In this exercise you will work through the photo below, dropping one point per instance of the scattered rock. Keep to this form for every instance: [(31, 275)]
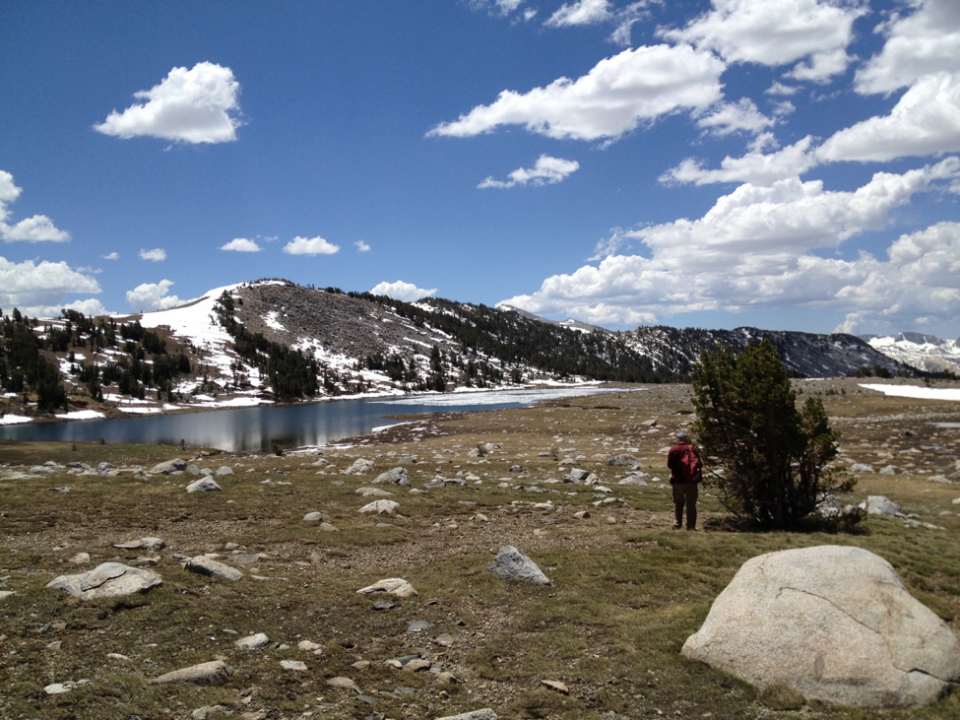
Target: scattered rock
[(940, 479), (164, 468), (576, 476), (203, 565), (360, 466), (327, 527), (60, 688), (380, 507), (391, 586), (224, 470), (313, 518), (879, 505), (110, 579), (343, 683), (5, 594), (202, 713), (511, 564), (81, 558), (204, 484), (888, 470), (251, 642), (145, 543), (556, 685), (484, 714), (623, 460), (396, 476), (582, 514), (373, 492), (310, 646), (215, 672), (833, 624), (861, 468), (293, 665)]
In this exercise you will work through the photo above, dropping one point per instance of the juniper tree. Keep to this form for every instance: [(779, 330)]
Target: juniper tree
[(770, 460)]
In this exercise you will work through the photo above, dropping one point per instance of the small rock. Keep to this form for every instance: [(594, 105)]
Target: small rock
[(484, 714), (313, 518), (216, 672), (203, 565), (582, 514), (202, 713), (396, 476), (360, 466), (417, 665), (556, 685), (204, 484), (111, 579), (224, 470), (293, 665), (623, 460), (343, 683), (309, 646), (252, 641), (861, 468), (81, 558), (391, 586), (511, 564), (373, 492), (164, 468), (380, 507)]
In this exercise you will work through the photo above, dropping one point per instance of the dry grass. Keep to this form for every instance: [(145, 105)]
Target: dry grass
[(627, 591)]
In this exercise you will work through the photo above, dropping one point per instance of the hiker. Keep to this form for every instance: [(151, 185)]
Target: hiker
[(686, 472)]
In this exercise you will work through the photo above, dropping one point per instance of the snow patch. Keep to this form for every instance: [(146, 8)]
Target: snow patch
[(915, 392)]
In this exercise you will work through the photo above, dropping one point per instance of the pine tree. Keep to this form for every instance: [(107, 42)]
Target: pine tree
[(773, 457)]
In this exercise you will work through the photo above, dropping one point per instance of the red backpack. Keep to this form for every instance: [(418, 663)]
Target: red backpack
[(690, 466)]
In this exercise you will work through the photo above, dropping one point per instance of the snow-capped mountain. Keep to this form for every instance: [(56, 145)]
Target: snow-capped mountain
[(923, 352)]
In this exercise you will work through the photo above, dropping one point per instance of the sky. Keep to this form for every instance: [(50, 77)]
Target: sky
[(782, 164)]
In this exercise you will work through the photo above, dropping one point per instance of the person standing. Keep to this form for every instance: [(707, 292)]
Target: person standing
[(686, 473)]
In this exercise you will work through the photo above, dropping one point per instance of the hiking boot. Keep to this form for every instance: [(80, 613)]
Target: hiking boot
[(678, 526)]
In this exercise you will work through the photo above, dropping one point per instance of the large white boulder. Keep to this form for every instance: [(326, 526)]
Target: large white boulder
[(109, 579), (833, 624)]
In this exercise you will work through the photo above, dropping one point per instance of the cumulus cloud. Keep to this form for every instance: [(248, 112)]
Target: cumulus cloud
[(362, 246), (39, 289), (111, 256), (546, 171), (500, 8), (400, 290), (310, 246), (612, 99), (241, 245), (923, 42), (191, 106), (812, 33), (758, 247), (925, 121), (726, 118), (38, 228), (155, 255), (152, 296), (756, 167)]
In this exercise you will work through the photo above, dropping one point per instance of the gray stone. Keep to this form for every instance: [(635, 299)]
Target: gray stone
[(251, 642), (390, 586), (888, 470), (483, 714), (833, 624), (216, 672), (144, 543), (373, 492), (313, 518), (511, 564), (623, 460), (360, 467), (192, 470), (861, 468), (380, 507), (293, 665), (204, 484), (879, 505), (110, 579), (224, 470), (203, 565), (396, 476), (576, 476), (165, 468)]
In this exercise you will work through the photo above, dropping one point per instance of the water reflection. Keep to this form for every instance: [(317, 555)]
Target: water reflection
[(257, 428)]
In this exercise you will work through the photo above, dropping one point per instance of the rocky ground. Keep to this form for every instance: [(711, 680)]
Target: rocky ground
[(293, 637)]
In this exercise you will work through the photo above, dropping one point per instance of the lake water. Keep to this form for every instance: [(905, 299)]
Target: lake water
[(257, 428)]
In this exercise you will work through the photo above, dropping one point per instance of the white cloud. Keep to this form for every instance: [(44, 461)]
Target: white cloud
[(152, 296), (778, 32), (38, 228), (39, 289), (612, 99), (310, 246), (362, 246), (778, 88), (89, 307), (111, 256), (241, 245), (726, 118), (155, 255), (547, 171), (582, 12), (756, 167), (191, 106), (501, 8), (400, 290), (924, 42), (758, 247), (925, 121)]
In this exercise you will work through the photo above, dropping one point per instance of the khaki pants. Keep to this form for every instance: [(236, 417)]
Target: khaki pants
[(686, 494)]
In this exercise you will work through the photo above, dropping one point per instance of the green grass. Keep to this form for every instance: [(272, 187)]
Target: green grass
[(625, 595)]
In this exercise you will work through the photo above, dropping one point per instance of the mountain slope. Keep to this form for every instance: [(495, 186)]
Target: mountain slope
[(923, 352)]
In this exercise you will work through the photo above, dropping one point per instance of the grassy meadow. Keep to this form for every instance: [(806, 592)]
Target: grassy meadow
[(627, 590)]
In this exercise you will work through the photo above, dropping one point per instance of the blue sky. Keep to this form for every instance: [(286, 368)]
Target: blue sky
[(788, 164)]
